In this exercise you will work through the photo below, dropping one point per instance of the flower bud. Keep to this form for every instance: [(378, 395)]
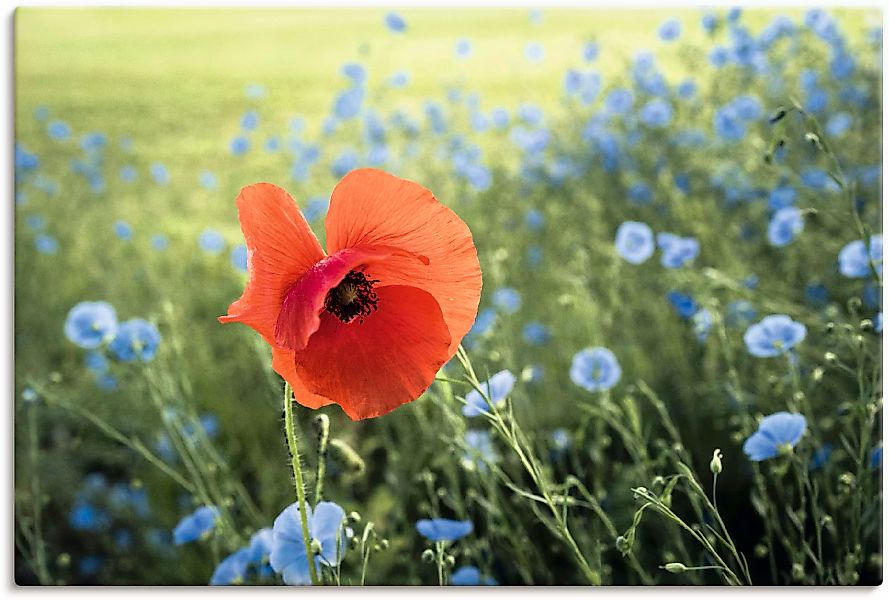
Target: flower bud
[(716, 462), (830, 358), (316, 546), (622, 545), (675, 567), (344, 454), (797, 572), (428, 556), (450, 560), (353, 517)]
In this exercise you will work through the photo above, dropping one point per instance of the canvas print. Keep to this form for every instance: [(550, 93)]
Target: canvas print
[(448, 297)]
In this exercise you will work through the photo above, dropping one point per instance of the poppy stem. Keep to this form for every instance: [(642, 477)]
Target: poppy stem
[(298, 477)]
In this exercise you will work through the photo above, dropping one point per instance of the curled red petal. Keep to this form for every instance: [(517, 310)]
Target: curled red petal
[(370, 207), (373, 367), (281, 247), (284, 364)]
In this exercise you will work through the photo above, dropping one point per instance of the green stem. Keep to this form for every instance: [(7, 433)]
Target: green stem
[(298, 477)]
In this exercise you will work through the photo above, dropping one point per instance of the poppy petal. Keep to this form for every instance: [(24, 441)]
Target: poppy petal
[(370, 207), (304, 301), (284, 364), (390, 359), (280, 249)]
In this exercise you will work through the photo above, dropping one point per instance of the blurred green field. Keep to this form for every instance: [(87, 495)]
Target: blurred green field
[(172, 83)]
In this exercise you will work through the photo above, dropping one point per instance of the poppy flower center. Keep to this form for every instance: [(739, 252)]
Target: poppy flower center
[(353, 297)]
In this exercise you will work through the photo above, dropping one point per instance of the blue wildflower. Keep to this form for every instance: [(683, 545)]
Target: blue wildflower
[(400, 79), (785, 226), (239, 145), (709, 21), (233, 569), (778, 434), (128, 173), (820, 457), (59, 130), (595, 369), (590, 51), (347, 104), (96, 362), (878, 322), (702, 322), (876, 457), (288, 555), (250, 120), (470, 576), (656, 113), (497, 388), (669, 30), (159, 241), (618, 101), (782, 197), (355, 72), (136, 339), (687, 89), (198, 525), (507, 299), (480, 450), (239, 257), (838, 124), (640, 193), (90, 565), (211, 241), (345, 162), (160, 174), (443, 530), (677, 251), (728, 125), (684, 304), (90, 324), (46, 244), (35, 222), (634, 242), (534, 219), (536, 334), (535, 52), (123, 230), (395, 22), (315, 209), (463, 48), (86, 517), (739, 313), (773, 336), (854, 258), (207, 179)]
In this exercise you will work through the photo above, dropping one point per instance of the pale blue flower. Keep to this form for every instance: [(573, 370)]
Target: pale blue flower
[(777, 434), (595, 369), (497, 388), (773, 336)]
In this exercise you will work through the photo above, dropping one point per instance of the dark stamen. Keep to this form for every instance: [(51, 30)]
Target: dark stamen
[(353, 297)]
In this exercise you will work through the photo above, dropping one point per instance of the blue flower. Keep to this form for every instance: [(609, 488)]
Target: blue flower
[(86, 517), (842, 65), (233, 569), (90, 565), (315, 209), (288, 556), (536, 334), (355, 72), (46, 244), (778, 434), (656, 113), (684, 304), (853, 258), (687, 89), (196, 526), (595, 369), (207, 180), (634, 242), (128, 173), (669, 30), (640, 193), (470, 576), (239, 257), (443, 530), (507, 299), (59, 130), (250, 120), (782, 197), (876, 457), (136, 339), (123, 230), (534, 219), (400, 79), (239, 145), (709, 21), (785, 226), (618, 101), (747, 107), (677, 251), (463, 48), (344, 163), (838, 124), (535, 52), (728, 125), (560, 439), (395, 22), (480, 450), (496, 388), (159, 241), (96, 362), (590, 51), (25, 160), (211, 241), (878, 322), (739, 313), (484, 321), (773, 336), (348, 103), (90, 324)]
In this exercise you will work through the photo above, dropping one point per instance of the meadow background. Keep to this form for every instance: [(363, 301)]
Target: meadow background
[(545, 131)]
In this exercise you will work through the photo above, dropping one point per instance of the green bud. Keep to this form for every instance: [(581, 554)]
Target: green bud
[(716, 462), (817, 374), (813, 139), (384, 544), (321, 424), (760, 551), (316, 546), (829, 327), (797, 572), (830, 358), (346, 456), (63, 559), (622, 545), (450, 560), (675, 567), (866, 325), (353, 517), (428, 556)]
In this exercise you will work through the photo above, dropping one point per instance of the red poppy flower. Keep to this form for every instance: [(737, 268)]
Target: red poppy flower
[(368, 325)]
